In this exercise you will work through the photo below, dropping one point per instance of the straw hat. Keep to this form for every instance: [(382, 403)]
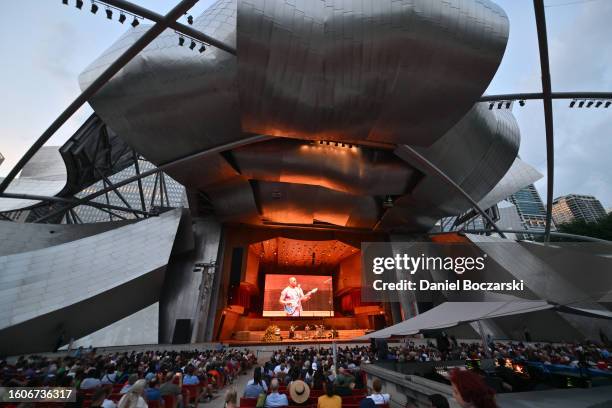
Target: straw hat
[(299, 391)]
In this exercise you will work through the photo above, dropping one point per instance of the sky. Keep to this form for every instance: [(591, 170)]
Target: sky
[(45, 45)]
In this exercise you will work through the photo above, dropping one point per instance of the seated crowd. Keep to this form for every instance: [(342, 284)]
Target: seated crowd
[(589, 353), (167, 379)]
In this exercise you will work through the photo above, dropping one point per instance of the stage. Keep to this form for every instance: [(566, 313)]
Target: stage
[(274, 279), (257, 337)]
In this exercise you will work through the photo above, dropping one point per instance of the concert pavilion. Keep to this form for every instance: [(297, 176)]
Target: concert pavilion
[(300, 131)]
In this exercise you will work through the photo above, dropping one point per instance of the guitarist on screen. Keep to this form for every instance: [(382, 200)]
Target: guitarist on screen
[(292, 297)]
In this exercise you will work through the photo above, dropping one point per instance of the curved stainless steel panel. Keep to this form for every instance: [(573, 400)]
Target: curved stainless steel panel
[(305, 204), (355, 170), (476, 153), (170, 101), (394, 71), (389, 71)]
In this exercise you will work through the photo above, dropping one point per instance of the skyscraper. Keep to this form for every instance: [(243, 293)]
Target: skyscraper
[(530, 208), (573, 207)]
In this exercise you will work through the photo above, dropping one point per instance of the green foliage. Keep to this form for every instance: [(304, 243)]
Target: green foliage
[(601, 229)]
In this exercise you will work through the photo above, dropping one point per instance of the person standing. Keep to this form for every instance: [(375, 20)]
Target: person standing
[(292, 297)]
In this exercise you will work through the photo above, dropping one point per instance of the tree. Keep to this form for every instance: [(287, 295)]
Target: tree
[(601, 229)]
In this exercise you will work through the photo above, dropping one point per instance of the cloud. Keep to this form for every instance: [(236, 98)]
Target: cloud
[(580, 60)]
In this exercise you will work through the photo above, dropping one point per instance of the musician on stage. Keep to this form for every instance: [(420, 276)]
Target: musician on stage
[(292, 297)]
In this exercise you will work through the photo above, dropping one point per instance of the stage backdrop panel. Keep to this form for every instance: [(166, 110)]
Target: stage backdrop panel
[(319, 305)]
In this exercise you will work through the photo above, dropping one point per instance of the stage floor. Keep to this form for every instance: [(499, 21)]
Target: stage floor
[(284, 342)]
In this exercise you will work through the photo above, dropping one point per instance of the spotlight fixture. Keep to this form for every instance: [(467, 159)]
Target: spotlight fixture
[(491, 105), (598, 104), (202, 48), (190, 20), (499, 105), (192, 45), (607, 105), (122, 18), (65, 2), (94, 8), (581, 104), (572, 103), (508, 105), (181, 41), (522, 102), (79, 4), (109, 14), (589, 104), (135, 22)]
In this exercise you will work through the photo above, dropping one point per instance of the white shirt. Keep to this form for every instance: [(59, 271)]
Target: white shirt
[(380, 399), (278, 369), (109, 404)]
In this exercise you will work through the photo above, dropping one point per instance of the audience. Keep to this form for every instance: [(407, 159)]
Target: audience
[(275, 399), (100, 399), (299, 392), (376, 396), (134, 397), (139, 374), (91, 380), (255, 386), (470, 390), (231, 398), (330, 399)]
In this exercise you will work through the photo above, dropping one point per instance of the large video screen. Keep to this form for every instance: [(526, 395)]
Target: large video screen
[(298, 296)]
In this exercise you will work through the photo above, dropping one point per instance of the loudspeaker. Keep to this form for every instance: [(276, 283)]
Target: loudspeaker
[(382, 349), (377, 322), (235, 271), (182, 331)]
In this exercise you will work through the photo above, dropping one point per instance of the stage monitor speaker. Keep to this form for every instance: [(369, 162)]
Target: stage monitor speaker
[(182, 331)]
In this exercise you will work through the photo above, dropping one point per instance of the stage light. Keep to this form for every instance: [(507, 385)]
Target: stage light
[(607, 105), (589, 104), (598, 104), (522, 102), (581, 104), (181, 41), (190, 20), (491, 105), (572, 103), (202, 48), (94, 8), (135, 22), (109, 14), (192, 45), (508, 105), (122, 18), (499, 105), (79, 4)]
